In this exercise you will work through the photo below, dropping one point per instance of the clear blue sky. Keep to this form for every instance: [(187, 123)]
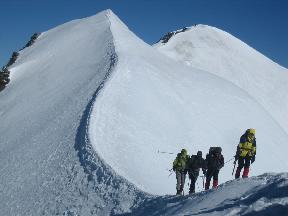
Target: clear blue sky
[(263, 24)]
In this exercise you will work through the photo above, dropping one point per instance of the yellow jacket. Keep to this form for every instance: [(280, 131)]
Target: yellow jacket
[(247, 146), (181, 161)]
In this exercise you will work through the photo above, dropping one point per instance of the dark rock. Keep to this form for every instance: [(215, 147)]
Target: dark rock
[(169, 35), (5, 73), (12, 59), (32, 40), (4, 78)]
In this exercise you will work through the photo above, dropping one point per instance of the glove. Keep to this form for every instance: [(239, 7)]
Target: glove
[(236, 157), (253, 159)]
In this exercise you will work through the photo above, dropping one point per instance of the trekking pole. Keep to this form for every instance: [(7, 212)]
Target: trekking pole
[(203, 180), (163, 152), (234, 167)]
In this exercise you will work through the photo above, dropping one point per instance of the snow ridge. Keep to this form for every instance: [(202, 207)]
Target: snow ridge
[(256, 196), (117, 193), (87, 109), (45, 111)]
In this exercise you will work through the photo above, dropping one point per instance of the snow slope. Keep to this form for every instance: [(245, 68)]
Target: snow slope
[(89, 106), (256, 196), (220, 53), (152, 103), (47, 165)]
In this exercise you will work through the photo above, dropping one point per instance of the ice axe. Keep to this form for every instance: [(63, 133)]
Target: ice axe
[(170, 172)]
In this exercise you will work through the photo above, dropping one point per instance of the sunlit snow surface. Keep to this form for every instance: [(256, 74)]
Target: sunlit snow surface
[(220, 53), (152, 103), (90, 105)]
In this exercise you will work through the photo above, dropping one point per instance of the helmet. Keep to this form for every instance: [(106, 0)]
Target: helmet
[(199, 153), (251, 131), (184, 151)]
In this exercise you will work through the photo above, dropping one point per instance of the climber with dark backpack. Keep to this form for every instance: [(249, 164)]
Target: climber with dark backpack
[(214, 162), (195, 163)]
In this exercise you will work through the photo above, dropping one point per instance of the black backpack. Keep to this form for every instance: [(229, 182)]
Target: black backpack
[(215, 158), (215, 150)]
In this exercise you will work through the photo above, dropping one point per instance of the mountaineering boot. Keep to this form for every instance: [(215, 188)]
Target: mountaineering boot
[(178, 192), (191, 191), (245, 173), (237, 174), (207, 185), (215, 184)]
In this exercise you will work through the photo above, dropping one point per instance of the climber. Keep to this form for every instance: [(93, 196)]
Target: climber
[(214, 162), (180, 168), (193, 167), (246, 152)]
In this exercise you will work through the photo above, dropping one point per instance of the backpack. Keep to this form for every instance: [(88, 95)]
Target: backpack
[(195, 162), (213, 160), (215, 150)]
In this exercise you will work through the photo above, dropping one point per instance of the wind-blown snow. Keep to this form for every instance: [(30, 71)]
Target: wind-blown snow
[(89, 106)]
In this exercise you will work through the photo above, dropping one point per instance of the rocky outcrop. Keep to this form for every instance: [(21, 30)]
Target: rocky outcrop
[(4, 77), (32, 40), (5, 73), (167, 36)]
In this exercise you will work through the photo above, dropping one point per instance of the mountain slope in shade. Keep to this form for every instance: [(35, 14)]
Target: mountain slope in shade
[(220, 53), (256, 196)]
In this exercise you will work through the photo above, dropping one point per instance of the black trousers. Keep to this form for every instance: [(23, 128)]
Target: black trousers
[(244, 162), (212, 172), (193, 175)]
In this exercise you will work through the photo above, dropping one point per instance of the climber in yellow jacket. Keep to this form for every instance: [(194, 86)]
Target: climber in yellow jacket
[(180, 168), (246, 152)]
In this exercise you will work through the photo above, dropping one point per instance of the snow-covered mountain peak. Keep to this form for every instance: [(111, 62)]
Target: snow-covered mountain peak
[(90, 107), (197, 27), (152, 103), (220, 53), (199, 36), (185, 43), (44, 113)]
